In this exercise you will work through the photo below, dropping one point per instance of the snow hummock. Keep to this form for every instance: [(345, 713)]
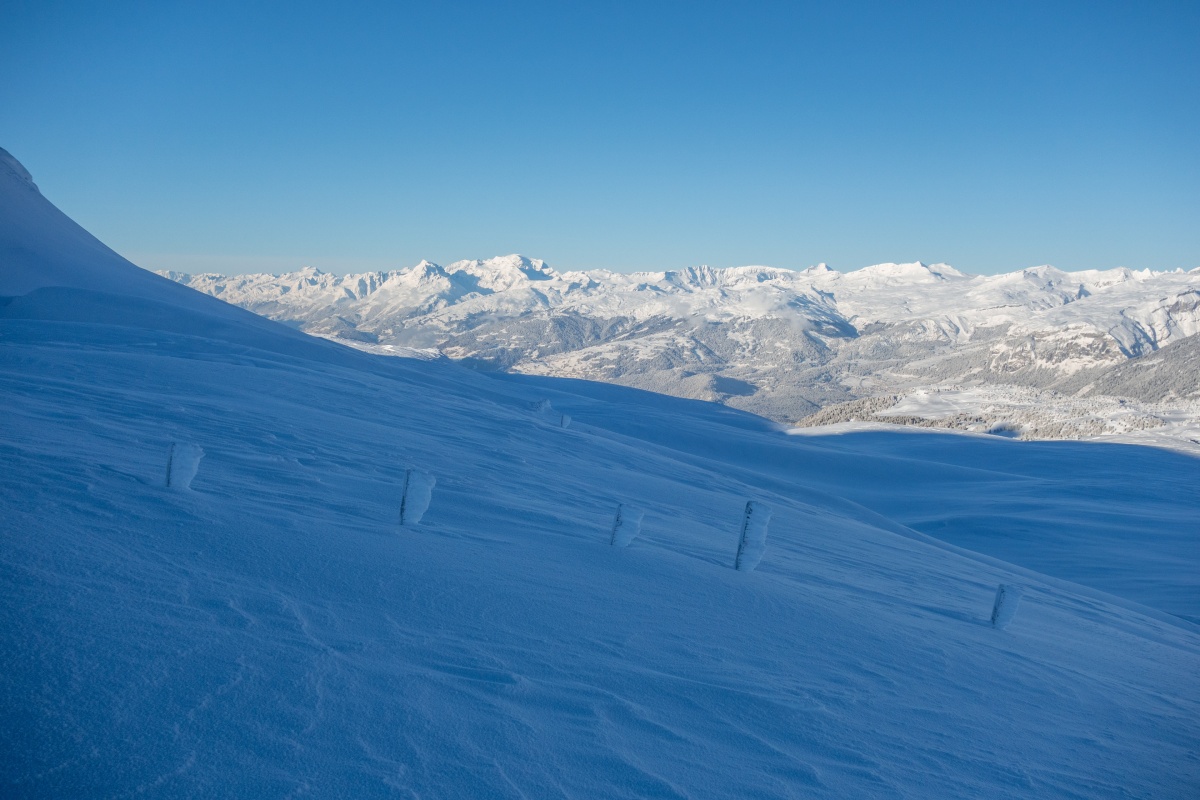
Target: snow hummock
[(270, 633)]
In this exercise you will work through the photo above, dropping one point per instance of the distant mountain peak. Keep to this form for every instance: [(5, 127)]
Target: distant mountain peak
[(502, 273), (916, 270)]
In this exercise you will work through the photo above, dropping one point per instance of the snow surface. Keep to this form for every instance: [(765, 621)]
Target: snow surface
[(274, 633)]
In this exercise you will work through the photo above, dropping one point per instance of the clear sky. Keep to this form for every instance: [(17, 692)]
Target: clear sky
[(245, 136)]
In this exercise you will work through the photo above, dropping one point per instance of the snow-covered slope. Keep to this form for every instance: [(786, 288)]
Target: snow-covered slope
[(273, 631), (777, 342)]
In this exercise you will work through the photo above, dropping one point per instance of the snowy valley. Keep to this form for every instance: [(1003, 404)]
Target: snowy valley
[(786, 344), (207, 589)]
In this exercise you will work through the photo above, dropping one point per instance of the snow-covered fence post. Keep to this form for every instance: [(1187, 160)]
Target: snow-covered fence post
[(547, 412), (170, 463), (754, 536), (418, 492), (626, 525), (183, 462), (1008, 597)]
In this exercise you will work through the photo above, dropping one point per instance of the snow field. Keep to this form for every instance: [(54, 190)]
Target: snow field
[(1065, 509), (264, 631)]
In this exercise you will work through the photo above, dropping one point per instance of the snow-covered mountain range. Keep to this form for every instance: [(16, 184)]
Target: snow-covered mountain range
[(211, 585), (777, 342)]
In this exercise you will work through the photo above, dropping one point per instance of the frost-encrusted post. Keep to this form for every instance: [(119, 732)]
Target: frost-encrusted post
[(418, 492), (1008, 597), (547, 412), (183, 462), (754, 536), (626, 525)]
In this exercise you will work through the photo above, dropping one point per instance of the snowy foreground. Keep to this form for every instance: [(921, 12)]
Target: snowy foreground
[(272, 630)]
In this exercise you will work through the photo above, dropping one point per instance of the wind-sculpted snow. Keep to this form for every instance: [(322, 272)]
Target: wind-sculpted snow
[(790, 342), (274, 632)]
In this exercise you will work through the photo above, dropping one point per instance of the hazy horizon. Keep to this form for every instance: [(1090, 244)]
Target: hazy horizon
[(281, 266)]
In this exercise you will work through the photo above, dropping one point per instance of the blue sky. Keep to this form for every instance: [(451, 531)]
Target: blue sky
[(249, 136)]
